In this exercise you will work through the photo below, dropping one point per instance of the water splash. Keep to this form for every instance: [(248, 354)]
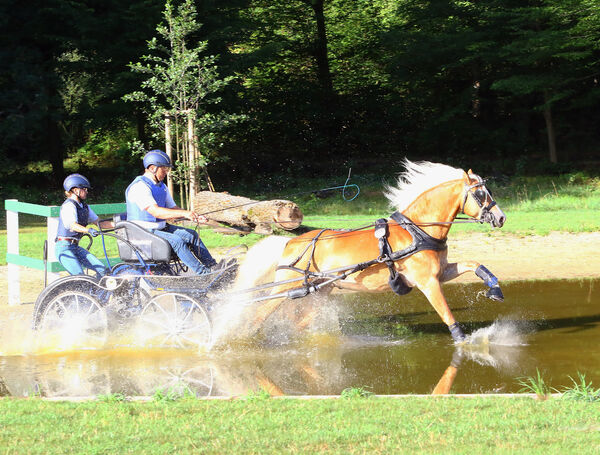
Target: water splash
[(232, 314), (501, 333)]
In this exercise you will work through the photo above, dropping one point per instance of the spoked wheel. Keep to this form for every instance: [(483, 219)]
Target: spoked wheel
[(73, 319), (174, 320), (178, 381)]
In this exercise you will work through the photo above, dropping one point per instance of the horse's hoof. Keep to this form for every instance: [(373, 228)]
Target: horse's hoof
[(495, 293)]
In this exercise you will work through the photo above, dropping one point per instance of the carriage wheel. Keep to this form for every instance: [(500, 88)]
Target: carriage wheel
[(174, 320), (73, 319)]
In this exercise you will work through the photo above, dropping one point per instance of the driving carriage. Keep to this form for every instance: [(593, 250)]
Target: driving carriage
[(149, 290)]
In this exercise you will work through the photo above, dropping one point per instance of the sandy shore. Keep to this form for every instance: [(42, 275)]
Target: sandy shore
[(512, 257)]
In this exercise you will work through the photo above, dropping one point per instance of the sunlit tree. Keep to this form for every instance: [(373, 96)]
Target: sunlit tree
[(181, 86)]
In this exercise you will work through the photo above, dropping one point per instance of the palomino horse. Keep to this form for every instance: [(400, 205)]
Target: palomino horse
[(428, 197)]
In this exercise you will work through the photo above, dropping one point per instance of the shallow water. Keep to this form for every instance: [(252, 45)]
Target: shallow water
[(551, 326)]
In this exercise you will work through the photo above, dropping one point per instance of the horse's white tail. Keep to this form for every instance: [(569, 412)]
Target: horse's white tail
[(257, 268), (260, 262)]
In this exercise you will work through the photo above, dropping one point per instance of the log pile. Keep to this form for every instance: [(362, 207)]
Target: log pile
[(248, 214)]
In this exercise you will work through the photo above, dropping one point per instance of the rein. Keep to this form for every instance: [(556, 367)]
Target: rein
[(339, 232), (484, 212)]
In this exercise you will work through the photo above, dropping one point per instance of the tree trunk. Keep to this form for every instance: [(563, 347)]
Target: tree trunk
[(324, 73), (550, 131), (55, 148), (248, 213), (329, 106), (169, 150), (192, 159)]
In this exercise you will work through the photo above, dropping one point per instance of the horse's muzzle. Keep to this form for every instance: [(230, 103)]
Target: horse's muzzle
[(494, 216)]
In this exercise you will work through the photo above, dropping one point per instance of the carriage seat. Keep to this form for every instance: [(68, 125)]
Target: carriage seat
[(151, 247)]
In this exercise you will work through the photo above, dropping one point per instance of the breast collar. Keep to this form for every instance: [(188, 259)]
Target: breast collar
[(421, 240)]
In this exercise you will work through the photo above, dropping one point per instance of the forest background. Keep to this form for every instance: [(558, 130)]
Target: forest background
[(506, 87)]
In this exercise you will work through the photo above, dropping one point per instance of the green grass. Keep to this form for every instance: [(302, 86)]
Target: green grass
[(376, 425), (352, 393), (533, 205), (536, 385), (581, 390), (31, 237)]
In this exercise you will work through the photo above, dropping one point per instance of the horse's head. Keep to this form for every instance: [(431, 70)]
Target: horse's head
[(479, 203)]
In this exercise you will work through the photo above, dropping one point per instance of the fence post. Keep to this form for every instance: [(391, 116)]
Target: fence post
[(12, 246), (52, 223), (15, 261)]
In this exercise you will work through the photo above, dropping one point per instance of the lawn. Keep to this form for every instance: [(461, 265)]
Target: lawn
[(263, 425)]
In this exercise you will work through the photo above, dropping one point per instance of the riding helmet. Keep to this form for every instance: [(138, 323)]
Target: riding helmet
[(156, 157), (76, 181)]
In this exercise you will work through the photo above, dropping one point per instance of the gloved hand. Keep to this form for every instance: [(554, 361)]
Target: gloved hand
[(93, 232)]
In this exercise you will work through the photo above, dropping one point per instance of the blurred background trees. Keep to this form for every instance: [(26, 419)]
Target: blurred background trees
[(507, 86)]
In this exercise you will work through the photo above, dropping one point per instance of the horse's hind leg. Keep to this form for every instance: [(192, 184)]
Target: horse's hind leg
[(306, 315), (302, 311), (455, 269), (264, 311)]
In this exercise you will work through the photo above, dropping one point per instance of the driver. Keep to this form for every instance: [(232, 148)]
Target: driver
[(150, 204), (75, 215)]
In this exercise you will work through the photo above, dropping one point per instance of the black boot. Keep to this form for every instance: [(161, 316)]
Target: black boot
[(456, 332), (495, 293)]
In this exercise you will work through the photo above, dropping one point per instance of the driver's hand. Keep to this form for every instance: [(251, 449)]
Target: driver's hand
[(193, 216)]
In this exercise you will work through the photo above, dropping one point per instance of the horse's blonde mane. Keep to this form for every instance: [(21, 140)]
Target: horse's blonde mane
[(417, 178)]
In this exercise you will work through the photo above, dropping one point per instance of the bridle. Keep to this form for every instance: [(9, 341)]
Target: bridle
[(480, 194)]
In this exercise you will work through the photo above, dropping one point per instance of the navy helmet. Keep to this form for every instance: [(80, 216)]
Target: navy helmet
[(76, 181), (156, 157)]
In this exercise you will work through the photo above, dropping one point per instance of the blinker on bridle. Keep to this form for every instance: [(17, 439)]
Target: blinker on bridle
[(479, 195)]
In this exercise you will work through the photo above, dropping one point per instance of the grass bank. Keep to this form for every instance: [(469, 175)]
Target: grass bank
[(260, 425)]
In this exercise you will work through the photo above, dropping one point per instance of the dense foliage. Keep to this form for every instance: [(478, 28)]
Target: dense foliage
[(322, 84)]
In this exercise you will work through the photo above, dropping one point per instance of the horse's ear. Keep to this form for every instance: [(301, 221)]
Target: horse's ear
[(470, 171)]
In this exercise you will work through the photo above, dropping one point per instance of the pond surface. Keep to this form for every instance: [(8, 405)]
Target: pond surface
[(550, 326)]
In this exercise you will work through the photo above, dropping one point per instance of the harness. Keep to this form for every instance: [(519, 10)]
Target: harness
[(420, 241)]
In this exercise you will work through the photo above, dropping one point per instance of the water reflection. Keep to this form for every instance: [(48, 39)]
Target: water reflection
[(540, 326), (380, 365)]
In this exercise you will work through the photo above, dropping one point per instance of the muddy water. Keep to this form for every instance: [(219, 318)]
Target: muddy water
[(552, 326)]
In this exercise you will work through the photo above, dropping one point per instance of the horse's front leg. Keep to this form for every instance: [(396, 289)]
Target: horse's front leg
[(269, 306), (445, 383), (433, 291), (455, 269)]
